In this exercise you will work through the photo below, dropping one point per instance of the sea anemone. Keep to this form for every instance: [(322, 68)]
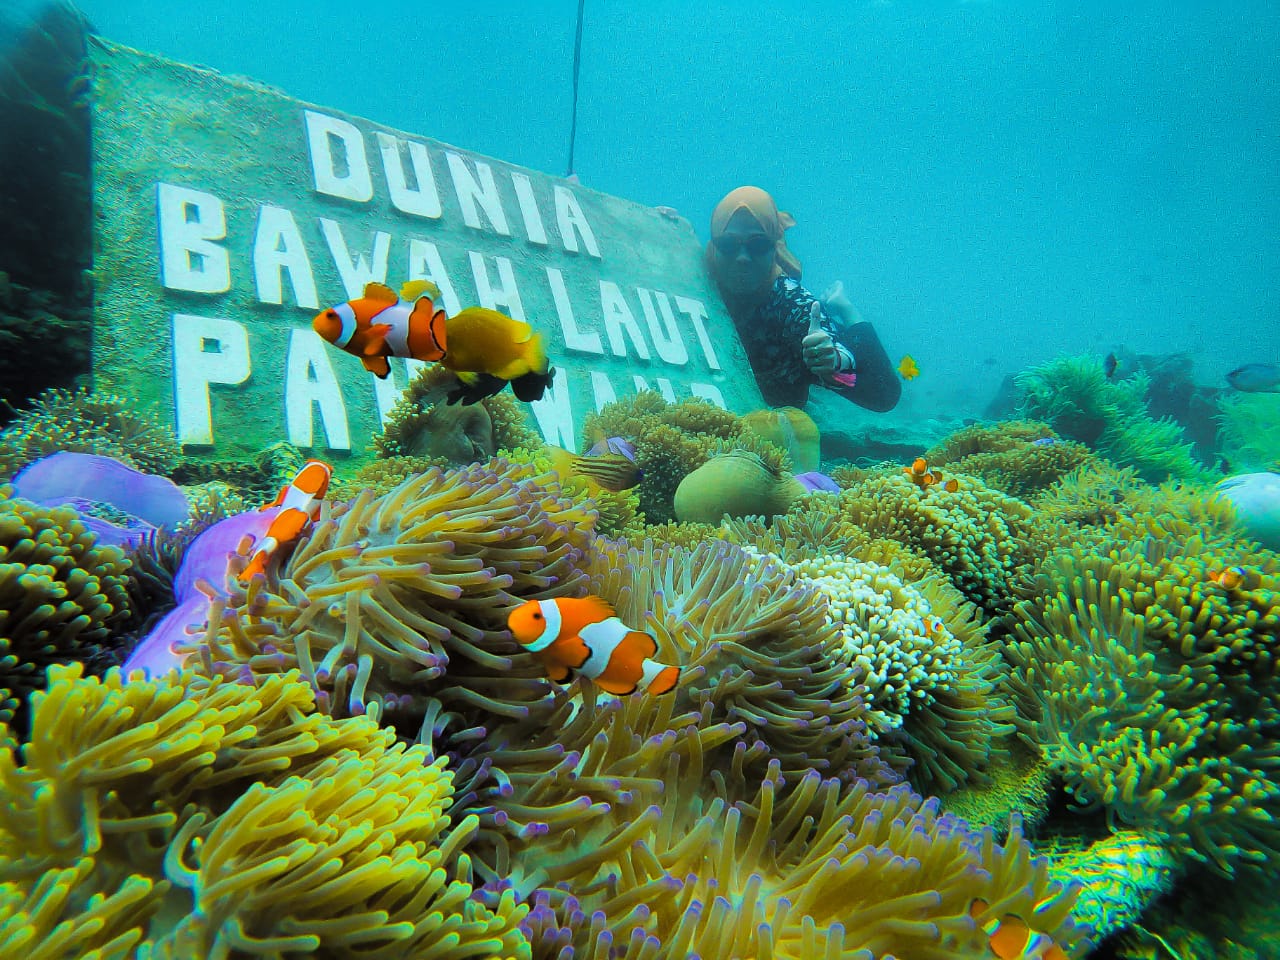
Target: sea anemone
[(183, 817), (84, 422), (62, 595)]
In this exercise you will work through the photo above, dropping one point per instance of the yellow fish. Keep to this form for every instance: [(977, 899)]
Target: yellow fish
[(907, 368), (609, 471), (488, 349)]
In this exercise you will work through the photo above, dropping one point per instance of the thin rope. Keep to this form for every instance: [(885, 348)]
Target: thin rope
[(577, 62)]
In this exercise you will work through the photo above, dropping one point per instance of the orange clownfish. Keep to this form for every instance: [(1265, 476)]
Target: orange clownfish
[(585, 635), (924, 477), (1011, 939), (907, 368), (1231, 578), (300, 500), (381, 325)]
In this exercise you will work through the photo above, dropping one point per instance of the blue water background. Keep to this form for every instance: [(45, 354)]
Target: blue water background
[(990, 180)]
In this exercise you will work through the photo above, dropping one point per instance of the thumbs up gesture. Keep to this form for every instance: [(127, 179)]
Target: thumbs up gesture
[(817, 348)]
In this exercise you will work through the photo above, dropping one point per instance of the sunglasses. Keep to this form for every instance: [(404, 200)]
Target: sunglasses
[(756, 245)]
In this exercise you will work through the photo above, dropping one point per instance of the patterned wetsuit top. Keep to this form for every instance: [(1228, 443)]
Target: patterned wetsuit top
[(771, 335)]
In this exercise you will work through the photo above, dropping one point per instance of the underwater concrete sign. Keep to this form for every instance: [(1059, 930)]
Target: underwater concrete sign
[(228, 214)]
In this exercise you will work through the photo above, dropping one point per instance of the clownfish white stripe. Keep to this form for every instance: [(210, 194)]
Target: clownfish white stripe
[(550, 616), (602, 639), (307, 489), (348, 317), (296, 499), (649, 671), (396, 316), (267, 545)]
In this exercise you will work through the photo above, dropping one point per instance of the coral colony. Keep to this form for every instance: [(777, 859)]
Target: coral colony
[(994, 718)]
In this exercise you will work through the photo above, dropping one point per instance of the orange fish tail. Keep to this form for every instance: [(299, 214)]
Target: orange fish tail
[(665, 681), (258, 564)]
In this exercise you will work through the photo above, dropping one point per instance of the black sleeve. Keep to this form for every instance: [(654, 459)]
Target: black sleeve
[(877, 386), (772, 340)]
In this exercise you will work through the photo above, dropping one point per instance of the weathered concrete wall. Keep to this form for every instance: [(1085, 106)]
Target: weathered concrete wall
[(228, 214)]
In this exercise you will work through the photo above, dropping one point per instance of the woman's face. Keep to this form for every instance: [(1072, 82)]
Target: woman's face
[(744, 255)]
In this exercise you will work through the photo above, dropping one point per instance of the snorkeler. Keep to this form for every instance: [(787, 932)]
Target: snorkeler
[(791, 338)]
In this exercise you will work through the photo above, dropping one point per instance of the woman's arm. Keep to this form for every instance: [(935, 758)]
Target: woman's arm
[(848, 360)]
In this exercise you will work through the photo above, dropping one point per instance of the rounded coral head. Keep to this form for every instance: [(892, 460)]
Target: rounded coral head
[(328, 324), (526, 622)]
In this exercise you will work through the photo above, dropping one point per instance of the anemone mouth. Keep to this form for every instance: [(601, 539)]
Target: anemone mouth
[(756, 460)]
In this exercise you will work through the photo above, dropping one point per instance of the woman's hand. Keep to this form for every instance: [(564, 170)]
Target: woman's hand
[(817, 349)]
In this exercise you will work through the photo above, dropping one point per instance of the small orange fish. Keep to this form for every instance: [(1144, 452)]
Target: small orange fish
[(921, 475), (1010, 937), (1230, 578), (924, 476), (301, 499), (381, 325), (907, 368), (585, 636), (932, 626)]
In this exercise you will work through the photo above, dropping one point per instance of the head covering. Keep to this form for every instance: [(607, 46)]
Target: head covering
[(773, 222)]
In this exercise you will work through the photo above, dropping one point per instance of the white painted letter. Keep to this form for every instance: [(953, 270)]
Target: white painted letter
[(508, 295), (708, 391), (356, 273), (617, 317), (425, 264), (573, 222), (529, 209), (666, 338), (580, 341), (476, 195), (697, 313), (422, 200), (205, 350), (345, 176), (602, 390), (278, 246), (664, 387), (309, 379), (188, 222), (554, 413)]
